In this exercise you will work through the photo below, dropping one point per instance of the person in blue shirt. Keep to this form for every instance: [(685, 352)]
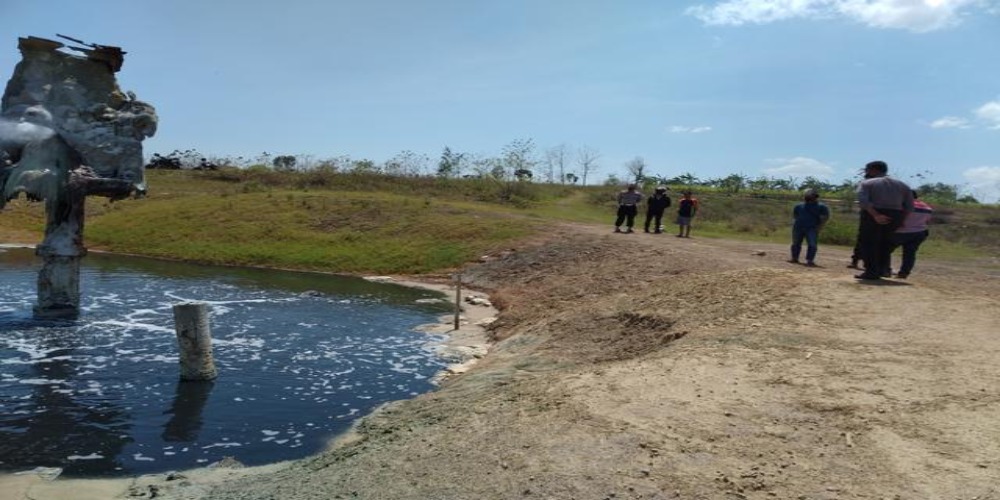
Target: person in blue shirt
[(810, 216)]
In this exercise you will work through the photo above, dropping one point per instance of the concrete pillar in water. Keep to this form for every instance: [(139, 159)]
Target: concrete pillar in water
[(55, 147), (194, 338), (58, 288)]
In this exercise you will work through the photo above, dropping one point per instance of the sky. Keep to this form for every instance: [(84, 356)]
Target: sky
[(762, 88)]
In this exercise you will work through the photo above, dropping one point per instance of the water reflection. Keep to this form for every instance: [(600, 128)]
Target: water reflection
[(100, 395), (189, 402), (46, 404)]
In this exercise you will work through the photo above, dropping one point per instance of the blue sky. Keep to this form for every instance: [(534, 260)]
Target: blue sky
[(780, 88)]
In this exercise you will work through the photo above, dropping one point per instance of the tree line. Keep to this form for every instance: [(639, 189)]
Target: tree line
[(520, 161)]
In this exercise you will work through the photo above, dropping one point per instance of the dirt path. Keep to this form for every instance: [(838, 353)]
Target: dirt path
[(654, 367)]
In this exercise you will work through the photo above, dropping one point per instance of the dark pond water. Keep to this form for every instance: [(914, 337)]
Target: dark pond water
[(300, 356)]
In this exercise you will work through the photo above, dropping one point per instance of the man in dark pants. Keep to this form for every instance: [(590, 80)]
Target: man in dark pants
[(628, 207), (655, 206), (884, 203)]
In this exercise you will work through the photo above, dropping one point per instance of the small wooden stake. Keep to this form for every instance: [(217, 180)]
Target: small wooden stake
[(458, 298)]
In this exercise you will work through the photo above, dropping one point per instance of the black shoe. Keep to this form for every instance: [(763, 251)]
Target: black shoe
[(866, 276), (656, 232), (902, 276), (793, 261), (645, 231)]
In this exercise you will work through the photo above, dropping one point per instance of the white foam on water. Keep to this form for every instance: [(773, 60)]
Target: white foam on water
[(92, 456), (221, 445), (257, 343), (33, 350), (128, 326), (154, 358), (41, 381)]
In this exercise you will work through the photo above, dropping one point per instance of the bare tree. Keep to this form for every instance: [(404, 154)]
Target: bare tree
[(406, 163), (518, 155), (555, 164), (636, 168), (482, 165), (586, 159)]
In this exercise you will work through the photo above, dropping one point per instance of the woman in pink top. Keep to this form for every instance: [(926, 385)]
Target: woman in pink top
[(911, 234)]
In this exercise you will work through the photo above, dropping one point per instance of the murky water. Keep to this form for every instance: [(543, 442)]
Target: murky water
[(300, 357)]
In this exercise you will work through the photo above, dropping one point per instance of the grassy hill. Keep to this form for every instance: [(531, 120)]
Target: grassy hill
[(371, 223)]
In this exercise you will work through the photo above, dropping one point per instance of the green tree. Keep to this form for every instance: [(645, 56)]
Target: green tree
[(811, 182), (733, 183), (364, 166), (939, 191), (450, 164), (284, 163)]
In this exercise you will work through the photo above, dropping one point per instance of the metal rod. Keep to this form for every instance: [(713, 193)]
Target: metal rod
[(458, 298)]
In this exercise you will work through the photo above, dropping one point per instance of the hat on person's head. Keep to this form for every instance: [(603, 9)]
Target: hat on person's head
[(631, 186), (810, 194), (661, 189), (877, 165)]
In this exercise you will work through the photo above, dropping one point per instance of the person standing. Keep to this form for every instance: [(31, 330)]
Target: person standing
[(884, 203), (809, 216), (911, 234), (687, 207), (655, 206), (628, 207)]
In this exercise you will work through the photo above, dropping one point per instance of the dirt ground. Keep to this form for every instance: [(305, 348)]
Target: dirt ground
[(628, 366)]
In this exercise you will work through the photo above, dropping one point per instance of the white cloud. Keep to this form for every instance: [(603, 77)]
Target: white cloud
[(680, 129), (989, 113), (798, 166), (950, 122), (984, 183), (914, 15)]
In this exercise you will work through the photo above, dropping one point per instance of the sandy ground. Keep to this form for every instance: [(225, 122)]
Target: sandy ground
[(648, 366)]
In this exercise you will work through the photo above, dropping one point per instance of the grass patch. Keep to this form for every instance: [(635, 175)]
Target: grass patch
[(329, 231), (371, 223)]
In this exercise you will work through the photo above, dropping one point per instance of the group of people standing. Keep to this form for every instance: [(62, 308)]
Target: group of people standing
[(891, 216), (656, 206)]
